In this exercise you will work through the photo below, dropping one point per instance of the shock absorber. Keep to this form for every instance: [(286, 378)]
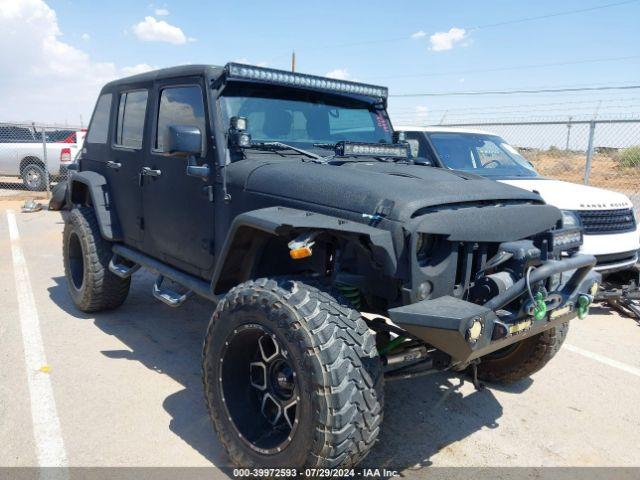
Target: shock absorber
[(351, 293)]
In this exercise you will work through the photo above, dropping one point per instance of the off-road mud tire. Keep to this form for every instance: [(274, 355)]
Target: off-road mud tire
[(86, 256), (338, 371), (525, 358)]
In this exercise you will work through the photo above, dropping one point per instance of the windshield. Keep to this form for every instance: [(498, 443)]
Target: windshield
[(487, 155), (303, 119)]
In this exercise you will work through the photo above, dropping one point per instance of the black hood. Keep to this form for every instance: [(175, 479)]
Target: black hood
[(361, 186)]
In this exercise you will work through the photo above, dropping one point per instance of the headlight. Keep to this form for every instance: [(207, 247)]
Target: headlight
[(570, 219)]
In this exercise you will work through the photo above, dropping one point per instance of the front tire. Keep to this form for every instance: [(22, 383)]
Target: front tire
[(524, 358), (292, 377), (86, 256)]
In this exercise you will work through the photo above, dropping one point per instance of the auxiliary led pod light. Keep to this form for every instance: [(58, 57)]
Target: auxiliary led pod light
[(346, 149)]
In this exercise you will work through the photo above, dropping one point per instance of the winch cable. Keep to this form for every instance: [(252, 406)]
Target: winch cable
[(537, 300), (528, 283)]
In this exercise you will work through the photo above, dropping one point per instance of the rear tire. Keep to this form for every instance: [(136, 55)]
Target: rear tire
[(34, 177), (86, 257), (334, 368), (524, 358)]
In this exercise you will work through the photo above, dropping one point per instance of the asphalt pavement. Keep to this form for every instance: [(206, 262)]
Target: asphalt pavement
[(123, 388)]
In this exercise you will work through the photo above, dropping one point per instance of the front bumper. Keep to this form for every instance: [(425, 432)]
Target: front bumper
[(446, 322), (616, 262)]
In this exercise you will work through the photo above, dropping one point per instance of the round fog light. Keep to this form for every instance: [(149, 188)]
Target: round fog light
[(475, 330), (424, 290)]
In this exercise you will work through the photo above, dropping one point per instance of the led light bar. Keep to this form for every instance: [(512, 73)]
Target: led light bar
[(347, 149), (562, 240), (270, 75)]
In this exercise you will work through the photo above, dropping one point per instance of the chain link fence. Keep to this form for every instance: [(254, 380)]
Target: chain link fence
[(34, 157), (601, 153)]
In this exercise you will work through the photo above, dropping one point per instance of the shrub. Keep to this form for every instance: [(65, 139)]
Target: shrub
[(629, 157)]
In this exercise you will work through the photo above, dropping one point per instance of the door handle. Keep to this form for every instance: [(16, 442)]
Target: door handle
[(111, 164), (150, 172)]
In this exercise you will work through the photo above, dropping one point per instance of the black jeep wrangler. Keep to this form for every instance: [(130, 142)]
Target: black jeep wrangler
[(334, 258)]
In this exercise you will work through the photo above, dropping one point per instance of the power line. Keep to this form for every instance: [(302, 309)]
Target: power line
[(478, 27), (512, 92), (511, 112), (551, 15), (525, 105), (504, 69), (524, 120)]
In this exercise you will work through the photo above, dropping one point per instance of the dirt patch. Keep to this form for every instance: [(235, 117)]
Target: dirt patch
[(606, 171)]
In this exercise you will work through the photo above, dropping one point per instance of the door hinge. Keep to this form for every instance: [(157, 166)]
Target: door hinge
[(208, 191)]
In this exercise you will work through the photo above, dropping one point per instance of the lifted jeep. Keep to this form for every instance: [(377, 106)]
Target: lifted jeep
[(287, 200)]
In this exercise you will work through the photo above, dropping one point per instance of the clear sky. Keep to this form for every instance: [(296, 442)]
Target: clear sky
[(65, 49)]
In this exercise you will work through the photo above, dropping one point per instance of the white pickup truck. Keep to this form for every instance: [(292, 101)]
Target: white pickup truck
[(610, 226), (22, 154)]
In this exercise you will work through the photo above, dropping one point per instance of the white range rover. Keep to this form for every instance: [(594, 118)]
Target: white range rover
[(610, 228)]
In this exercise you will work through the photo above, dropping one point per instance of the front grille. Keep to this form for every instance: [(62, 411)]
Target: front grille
[(472, 257), (599, 222)]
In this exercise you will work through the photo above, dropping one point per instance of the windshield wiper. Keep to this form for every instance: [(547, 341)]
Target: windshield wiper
[(325, 146), (277, 146)]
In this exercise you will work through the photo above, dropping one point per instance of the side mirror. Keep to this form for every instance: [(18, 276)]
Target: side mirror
[(187, 140), (184, 139)]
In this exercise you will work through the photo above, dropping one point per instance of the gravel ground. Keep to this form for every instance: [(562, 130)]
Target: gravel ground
[(128, 393)]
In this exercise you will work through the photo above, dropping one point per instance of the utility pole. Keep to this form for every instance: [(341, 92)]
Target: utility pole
[(568, 134), (293, 61)]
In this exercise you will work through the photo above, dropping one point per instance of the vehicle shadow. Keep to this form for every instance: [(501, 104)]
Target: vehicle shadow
[(425, 415), (422, 415)]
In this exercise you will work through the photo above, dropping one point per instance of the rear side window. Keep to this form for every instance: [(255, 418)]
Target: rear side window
[(99, 128), (179, 106), (131, 115), (12, 134)]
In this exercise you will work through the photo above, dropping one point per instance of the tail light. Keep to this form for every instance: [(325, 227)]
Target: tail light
[(65, 155)]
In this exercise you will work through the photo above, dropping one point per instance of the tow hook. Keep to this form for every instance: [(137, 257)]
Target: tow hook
[(584, 302)]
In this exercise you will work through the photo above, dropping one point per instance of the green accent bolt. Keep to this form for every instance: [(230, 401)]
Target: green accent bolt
[(391, 345), (583, 306), (540, 308)]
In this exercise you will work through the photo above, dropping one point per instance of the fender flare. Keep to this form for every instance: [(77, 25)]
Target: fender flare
[(279, 221), (96, 188)]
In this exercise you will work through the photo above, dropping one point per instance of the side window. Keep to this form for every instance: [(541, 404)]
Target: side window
[(179, 106), (131, 114), (99, 128), (418, 147), (16, 135)]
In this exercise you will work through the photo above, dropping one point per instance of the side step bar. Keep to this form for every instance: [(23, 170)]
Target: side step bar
[(169, 297), (190, 282), (121, 270)]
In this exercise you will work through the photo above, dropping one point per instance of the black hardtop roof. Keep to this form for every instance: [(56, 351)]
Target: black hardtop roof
[(210, 71)]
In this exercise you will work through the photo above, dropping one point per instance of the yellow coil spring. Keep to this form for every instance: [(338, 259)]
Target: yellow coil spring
[(351, 293)]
